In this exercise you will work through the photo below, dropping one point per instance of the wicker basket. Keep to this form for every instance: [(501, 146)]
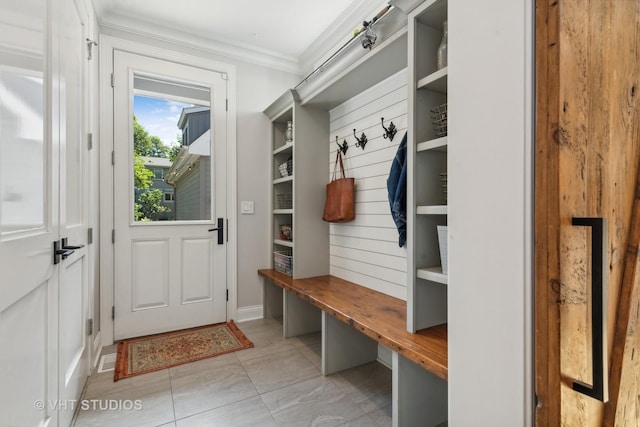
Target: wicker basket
[(439, 120), (284, 201), (286, 168), (283, 262)]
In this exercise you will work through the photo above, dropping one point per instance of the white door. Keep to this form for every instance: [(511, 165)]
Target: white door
[(74, 179), (170, 269), (29, 167)]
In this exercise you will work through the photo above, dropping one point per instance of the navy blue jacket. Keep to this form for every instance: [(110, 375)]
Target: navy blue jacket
[(397, 188)]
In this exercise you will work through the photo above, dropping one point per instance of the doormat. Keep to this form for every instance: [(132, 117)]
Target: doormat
[(139, 356)]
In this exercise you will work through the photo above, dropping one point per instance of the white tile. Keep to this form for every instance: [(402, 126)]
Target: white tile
[(201, 390), (100, 385), (383, 417), (370, 385), (315, 402), (246, 413), (146, 405), (276, 370)]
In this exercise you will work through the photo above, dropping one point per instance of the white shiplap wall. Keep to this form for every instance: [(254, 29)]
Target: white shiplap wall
[(365, 251)]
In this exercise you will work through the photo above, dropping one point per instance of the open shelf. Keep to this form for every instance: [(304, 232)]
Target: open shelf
[(438, 144), (287, 243), (433, 274), (285, 179), (436, 81), (283, 148), (283, 211), (431, 210)]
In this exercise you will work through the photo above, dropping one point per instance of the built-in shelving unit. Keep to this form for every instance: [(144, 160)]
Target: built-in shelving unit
[(427, 179), (427, 168), (298, 198), (419, 391)]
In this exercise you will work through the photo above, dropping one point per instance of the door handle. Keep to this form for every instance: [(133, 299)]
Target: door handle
[(600, 375), (60, 252), (65, 246), (220, 230)]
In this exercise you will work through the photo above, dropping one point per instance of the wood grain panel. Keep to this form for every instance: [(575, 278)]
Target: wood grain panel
[(379, 316), (574, 163), (587, 155), (624, 307)]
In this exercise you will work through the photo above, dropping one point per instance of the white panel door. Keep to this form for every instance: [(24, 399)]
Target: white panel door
[(74, 277), (170, 269), (28, 217)]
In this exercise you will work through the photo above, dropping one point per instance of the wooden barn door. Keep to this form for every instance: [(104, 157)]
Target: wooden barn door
[(587, 166)]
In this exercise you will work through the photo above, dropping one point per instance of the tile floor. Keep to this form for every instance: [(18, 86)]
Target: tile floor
[(277, 383)]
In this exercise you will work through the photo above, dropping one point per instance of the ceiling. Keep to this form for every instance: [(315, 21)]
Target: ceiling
[(279, 29)]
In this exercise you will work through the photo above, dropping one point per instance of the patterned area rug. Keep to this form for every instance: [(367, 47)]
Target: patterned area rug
[(155, 352)]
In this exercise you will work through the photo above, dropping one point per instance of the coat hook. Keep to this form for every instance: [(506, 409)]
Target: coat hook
[(362, 141), (389, 132), (344, 147)]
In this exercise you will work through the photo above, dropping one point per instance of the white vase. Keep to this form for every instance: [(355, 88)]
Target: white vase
[(288, 135), (441, 58)]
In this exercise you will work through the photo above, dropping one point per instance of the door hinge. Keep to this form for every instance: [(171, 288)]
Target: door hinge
[(227, 294), (224, 76), (90, 236), (113, 312), (113, 236), (113, 158), (226, 105), (112, 80), (90, 141), (89, 327)]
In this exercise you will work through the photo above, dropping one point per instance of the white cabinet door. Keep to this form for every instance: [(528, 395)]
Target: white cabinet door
[(74, 179), (29, 167)]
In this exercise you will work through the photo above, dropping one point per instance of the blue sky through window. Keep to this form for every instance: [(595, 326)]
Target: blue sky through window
[(159, 116)]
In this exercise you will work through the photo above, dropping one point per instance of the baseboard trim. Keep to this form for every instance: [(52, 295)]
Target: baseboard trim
[(250, 313), (97, 350)]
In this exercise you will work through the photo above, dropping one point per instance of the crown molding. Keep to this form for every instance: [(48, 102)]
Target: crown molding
[(218, 46), (335, 35)]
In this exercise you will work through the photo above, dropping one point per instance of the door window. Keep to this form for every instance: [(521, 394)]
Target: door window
[(171, 151), (22, 156)]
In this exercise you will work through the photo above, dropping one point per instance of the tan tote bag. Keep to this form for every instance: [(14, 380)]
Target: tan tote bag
[(340, 205)]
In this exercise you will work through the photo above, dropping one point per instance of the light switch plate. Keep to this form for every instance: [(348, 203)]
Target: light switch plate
[(246, 207)]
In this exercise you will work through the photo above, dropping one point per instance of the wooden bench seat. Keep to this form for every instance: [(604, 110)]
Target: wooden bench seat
[(377, 315)]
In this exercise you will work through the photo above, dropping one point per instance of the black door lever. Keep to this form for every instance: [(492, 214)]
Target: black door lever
[(65, 246), (60, 253), (220, 230)]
